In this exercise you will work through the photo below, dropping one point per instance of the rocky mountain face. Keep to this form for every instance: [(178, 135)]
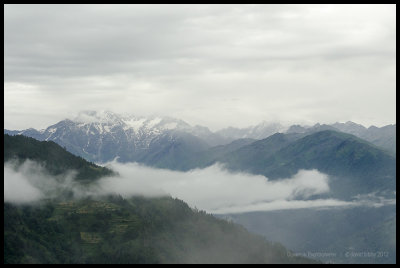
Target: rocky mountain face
[(101, 137)]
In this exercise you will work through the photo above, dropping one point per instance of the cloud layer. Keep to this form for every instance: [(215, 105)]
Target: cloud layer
[(213, 65), (212, 189)]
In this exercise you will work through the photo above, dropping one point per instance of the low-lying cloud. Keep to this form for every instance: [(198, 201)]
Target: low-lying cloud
[(213, 189), (18, 187), (30, 182)]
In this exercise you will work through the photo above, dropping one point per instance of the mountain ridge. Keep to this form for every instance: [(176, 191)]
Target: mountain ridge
[(335, 153), (137, 132)]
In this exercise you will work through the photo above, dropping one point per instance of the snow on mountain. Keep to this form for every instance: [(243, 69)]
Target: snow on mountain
[(134, 123), (106, 121), (102, 136)]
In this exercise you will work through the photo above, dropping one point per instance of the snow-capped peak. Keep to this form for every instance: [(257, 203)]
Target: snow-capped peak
[(105, 120), (87, 117)]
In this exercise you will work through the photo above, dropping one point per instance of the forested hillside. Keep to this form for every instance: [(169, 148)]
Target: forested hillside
[(136, 230)]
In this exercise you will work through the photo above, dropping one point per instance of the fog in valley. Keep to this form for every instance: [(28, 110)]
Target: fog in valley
[(213, 189)]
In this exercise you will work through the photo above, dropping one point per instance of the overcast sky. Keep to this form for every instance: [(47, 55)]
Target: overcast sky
[(213, 65)]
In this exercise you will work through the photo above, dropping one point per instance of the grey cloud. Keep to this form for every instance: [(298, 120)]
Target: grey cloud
[(84, 40), (185, 60), (218, 191), (214, 186)]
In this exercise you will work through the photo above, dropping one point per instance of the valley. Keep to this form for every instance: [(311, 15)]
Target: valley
[(360, 173)]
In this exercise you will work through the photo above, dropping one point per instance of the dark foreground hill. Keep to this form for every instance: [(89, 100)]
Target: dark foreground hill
[(135, 230), (111, 229)]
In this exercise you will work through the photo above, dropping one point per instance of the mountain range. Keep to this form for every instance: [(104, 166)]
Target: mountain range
[(355, 165), (162, 141), (101, 137)]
